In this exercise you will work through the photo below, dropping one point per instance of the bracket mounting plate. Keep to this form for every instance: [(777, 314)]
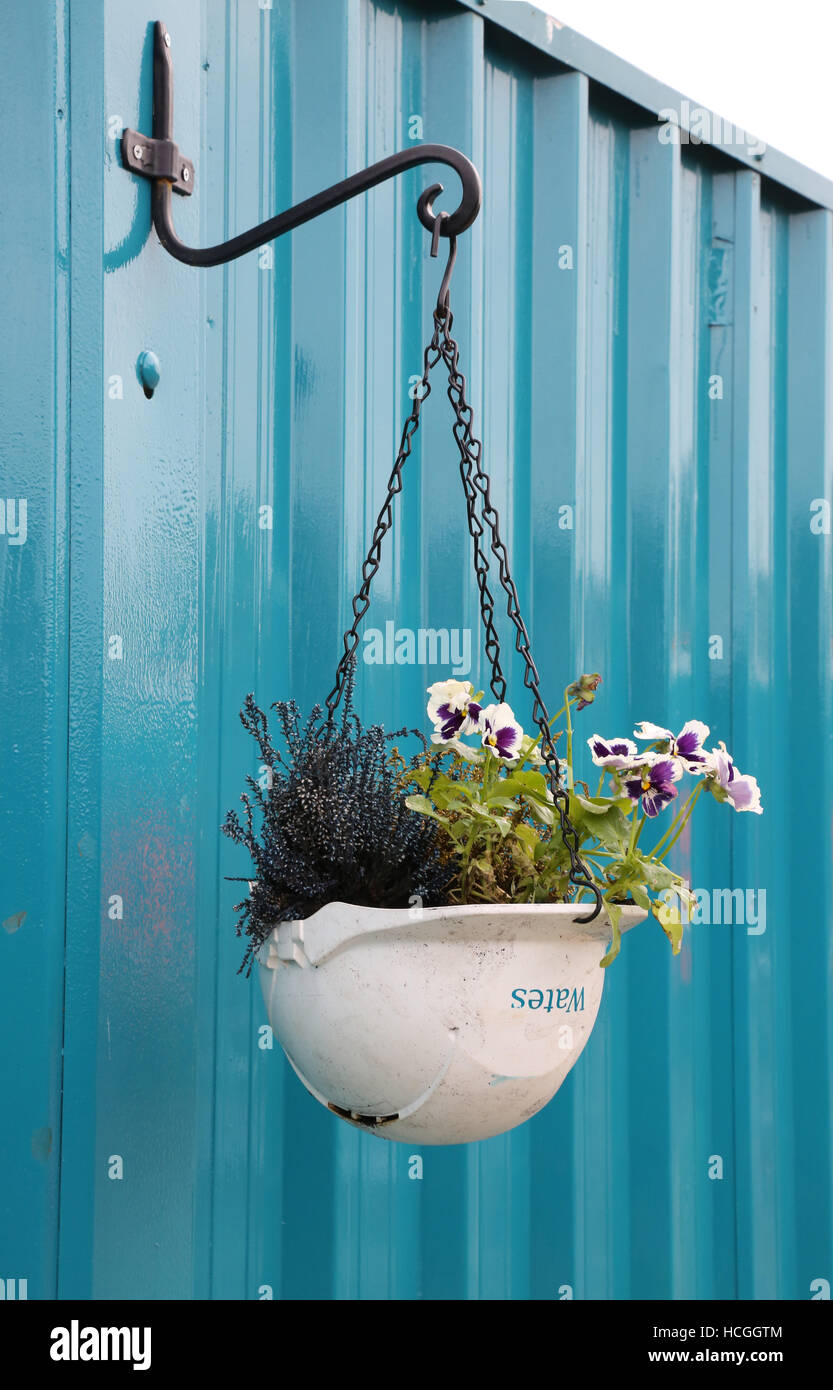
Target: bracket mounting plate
[(157, 159)]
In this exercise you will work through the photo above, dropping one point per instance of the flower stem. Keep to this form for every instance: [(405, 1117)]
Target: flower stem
[(677, 826), (672, 827), (685, 820), (566, 708), (531, 749), (557, 715), (636, 830)]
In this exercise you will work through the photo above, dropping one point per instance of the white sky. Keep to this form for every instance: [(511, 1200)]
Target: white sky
[(763, 65)]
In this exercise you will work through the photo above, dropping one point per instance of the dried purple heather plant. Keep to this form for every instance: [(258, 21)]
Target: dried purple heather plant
[(331, 824)]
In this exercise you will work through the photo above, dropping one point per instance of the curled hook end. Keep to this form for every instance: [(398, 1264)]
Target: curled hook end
[(431, 220), (458, 221), (591, 916)]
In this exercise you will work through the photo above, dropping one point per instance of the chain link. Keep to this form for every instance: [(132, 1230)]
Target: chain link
[(384, 520), (476, 486)]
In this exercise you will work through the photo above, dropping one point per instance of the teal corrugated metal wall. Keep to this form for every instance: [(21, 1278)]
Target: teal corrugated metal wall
[(647, 331)]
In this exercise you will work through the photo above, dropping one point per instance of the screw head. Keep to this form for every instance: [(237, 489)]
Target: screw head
[(137, 152), (167, 40), (186, 174)]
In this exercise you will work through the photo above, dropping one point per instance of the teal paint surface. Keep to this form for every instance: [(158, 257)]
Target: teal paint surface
[(283, 383)]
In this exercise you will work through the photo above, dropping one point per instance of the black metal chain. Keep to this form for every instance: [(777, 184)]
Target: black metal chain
[(384, 520), (476, 486)]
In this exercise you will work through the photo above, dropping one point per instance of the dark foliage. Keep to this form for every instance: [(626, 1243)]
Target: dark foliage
[(333, 826)]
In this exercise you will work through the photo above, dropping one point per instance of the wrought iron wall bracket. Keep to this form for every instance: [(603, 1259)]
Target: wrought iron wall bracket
[(158, 159)]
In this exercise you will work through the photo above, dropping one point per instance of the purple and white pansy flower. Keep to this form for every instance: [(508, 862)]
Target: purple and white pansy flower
[(453, 710), (612, 752), (648, 778), (500, 732), (686, 748), (727, 784), (653, 784)]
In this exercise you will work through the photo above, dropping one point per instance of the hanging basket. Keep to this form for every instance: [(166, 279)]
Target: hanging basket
[(435, 1025), (442, 1025)]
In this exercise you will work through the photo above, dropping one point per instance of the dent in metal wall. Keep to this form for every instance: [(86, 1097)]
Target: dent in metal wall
[(668, 386)]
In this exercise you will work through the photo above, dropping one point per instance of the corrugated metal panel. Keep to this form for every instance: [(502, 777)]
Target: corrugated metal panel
[(284, 384)]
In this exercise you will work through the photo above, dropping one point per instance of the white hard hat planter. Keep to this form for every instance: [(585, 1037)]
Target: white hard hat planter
[(437, 1025), (418, 906)]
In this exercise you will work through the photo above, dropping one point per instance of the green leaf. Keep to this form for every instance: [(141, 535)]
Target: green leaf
[(505, 786), (595, 805), (526, 782), (640, 897), (624, 803), (527, 836), (542, 810), (470, 790), (657, 876), (422, 805), (611, 829), (422, 776), (670, 919), (614, 912)]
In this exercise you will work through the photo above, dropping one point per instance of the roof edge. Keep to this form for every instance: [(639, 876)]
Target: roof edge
[(697, 124)]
